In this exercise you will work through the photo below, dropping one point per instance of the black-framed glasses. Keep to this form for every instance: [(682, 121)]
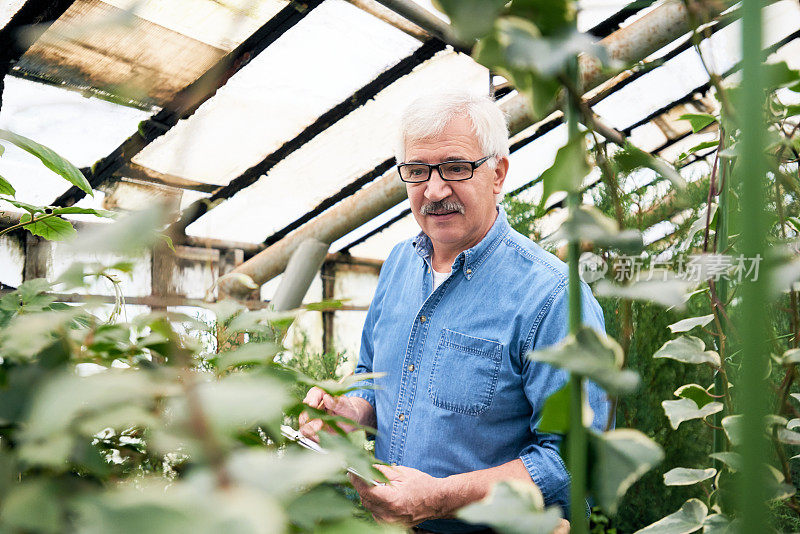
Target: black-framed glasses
[(451, 171)]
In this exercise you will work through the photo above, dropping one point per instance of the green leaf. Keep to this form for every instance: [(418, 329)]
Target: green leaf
[(30, 208), (526, 49), (682, 410), (669, 292), (513, 507), (238, 402), (33, 506), (73, 210), (621, 457), (320, 505), (692, 322), (225, 310), (688, 349), (51, 160), (689, 518), (50, 228), (353, 452), (790, 357), (733, 460), (631, 158), (733, 428), (6, 188), (779, 75), (588, 354), (249, 353), (682, 476), (703, 146), (587, 223), (471, 19), (550, 16), (126, 236), (788, 436), (699, 121), (555, 413), (342, 386), (718, 524), (697, 393), (281, 476), (568, 170)]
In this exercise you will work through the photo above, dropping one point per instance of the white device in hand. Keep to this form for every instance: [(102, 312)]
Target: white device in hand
[(295, 435)]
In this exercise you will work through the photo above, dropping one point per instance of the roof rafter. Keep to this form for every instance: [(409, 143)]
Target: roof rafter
[(41, 13), (602, 29), (188, 100)]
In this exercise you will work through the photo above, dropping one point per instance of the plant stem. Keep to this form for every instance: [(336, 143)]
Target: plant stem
[(721, 294), (578, 440), (20, 225), (751, 173)]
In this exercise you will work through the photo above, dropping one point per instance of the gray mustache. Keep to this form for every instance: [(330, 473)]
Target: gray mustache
[(442, 206)]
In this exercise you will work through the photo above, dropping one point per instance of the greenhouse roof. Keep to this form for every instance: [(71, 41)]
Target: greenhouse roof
[(277, 110)]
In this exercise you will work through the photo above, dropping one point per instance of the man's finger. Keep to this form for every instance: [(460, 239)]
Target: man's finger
[(314, 397), (388, 471), (311, 428)]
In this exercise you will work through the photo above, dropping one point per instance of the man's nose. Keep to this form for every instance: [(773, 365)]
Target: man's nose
[(437, 189)]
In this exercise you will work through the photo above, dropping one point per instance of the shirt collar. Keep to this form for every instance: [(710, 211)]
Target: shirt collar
[(471, 259)]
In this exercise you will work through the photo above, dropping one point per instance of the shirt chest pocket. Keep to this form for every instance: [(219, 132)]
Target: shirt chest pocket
[(464, 374)]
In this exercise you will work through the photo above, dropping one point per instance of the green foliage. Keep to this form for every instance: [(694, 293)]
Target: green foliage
[(135, 426), (50, 159)]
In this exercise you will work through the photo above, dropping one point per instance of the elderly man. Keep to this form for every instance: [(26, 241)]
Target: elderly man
[(456, 310)]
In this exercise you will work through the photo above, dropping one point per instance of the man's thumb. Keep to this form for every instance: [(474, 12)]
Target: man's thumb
[(329, 402)]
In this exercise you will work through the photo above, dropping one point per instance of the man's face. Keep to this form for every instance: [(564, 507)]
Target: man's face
[(455, 215)]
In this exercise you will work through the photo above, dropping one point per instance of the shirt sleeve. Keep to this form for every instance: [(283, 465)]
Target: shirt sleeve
[(541, 457)]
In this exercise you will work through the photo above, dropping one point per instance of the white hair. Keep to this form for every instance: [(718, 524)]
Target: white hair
[(429, 115)]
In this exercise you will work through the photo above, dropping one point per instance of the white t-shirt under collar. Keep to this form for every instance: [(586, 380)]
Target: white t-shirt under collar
[(438, 278)]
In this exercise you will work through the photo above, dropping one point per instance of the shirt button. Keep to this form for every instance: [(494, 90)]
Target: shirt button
[(422, 318), (402, 417), (469, 271), (394, 464), (411, 367)]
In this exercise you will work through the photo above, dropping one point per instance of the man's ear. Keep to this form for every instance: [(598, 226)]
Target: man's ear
[(500, 172)]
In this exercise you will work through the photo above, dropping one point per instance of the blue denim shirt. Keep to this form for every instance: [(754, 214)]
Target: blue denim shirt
[(458, 393)]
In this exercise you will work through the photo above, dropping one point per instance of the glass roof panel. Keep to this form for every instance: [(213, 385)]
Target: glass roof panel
[(221, 24), (8, 9), (332, 52), (348, 149), (683, 73), (380, 245), (80, 129)]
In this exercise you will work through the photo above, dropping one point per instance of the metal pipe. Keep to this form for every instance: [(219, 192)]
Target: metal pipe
[(630, 44), (410, 10), (305, 262), (343, 218), (388, 16)]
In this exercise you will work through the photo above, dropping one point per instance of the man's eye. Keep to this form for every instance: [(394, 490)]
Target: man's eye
[(457, 168), (416, 172)]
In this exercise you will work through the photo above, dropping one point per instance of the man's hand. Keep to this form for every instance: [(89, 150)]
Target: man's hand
[(355, 408), (410, 497)]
